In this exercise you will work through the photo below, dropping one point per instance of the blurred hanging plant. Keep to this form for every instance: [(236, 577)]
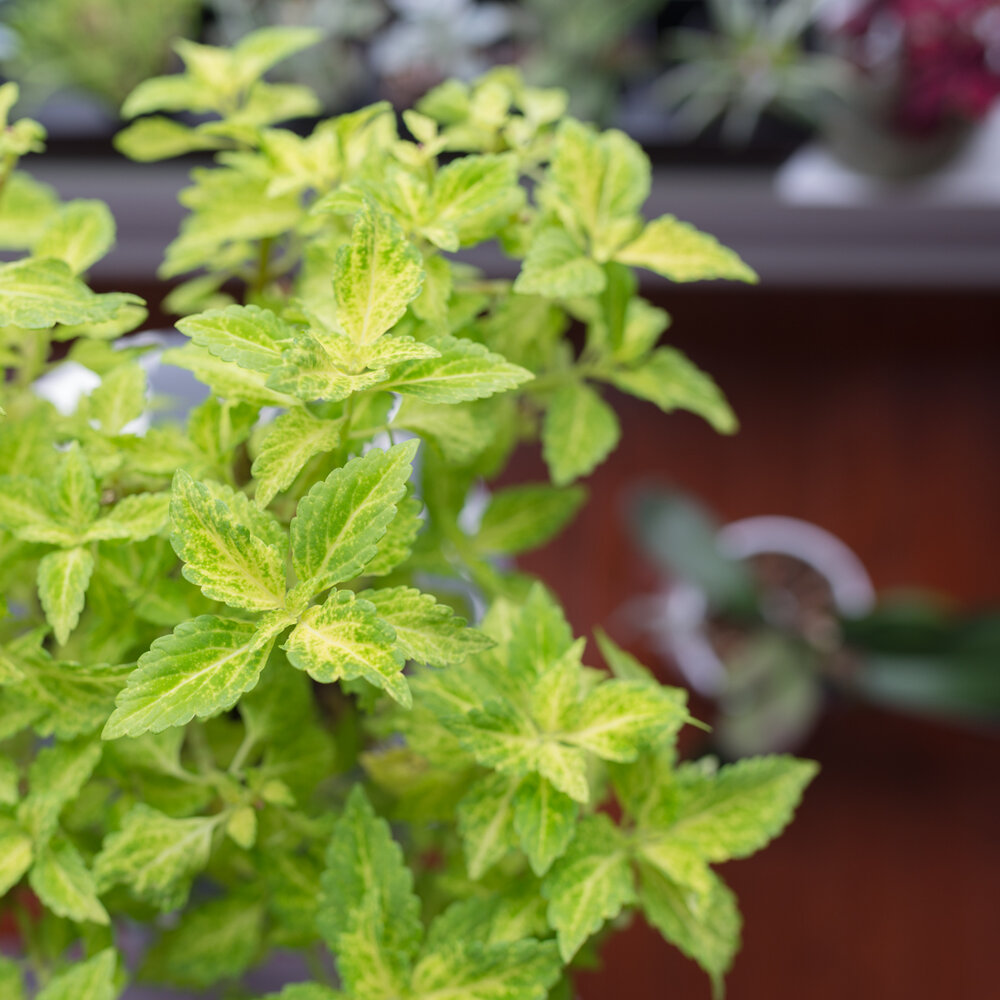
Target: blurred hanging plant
[(429, 40), (753, 60), (590, 47), (104, 48), (335, 68)]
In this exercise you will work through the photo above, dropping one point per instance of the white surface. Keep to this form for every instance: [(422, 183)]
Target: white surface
[(813, 177)]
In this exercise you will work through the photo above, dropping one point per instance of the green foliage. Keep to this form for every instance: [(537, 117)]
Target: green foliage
[(212, 629)]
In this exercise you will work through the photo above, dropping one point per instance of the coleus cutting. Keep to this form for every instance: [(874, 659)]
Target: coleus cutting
[(234, 650)]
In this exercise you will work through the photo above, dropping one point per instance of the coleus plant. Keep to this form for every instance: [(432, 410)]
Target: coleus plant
[(237, 685)]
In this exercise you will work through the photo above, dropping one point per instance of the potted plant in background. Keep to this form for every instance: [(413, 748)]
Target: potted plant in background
[(234, 650), (926, 76), (752, 61), (773, 618), (89, 54)]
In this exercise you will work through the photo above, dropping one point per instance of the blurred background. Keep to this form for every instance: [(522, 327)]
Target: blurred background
[(828, 580)]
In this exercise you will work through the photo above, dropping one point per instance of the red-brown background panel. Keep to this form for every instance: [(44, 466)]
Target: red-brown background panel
[(877, 417)]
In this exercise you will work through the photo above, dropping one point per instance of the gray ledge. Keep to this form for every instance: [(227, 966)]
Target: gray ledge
[(906, 241)]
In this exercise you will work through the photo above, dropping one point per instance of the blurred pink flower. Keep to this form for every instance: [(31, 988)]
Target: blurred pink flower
[(944, 54)]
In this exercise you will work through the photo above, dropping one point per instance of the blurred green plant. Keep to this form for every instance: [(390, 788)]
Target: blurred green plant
[(224, 666), (335, 68), (102, 47), (753, 61), (585, 47)]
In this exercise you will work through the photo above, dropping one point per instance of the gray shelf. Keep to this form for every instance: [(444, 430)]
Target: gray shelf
[(898, 242)]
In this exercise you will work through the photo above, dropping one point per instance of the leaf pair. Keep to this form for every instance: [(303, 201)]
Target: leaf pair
[(32, 841), (596, 185), (529, 711), (377, 274), (370, 919), (95, 978), (677, 827), (64, 511), (227, 82), (236, 553)]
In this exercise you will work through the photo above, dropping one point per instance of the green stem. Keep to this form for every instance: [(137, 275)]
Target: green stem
[(243, 751), (557, 379), (27, 928), (263, 275)]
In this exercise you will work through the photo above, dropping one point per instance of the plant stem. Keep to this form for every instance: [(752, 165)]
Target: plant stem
[(263, 267)]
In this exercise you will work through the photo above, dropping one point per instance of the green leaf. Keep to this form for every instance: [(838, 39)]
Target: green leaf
[(64, 884), (248, 336), (155, 856), (705, 927), (120, 398), (177, 92), (598, 183), (376, 276), (225, 380), (499, 737), (668, 379), (540, 635), (63, 578), (309, 371), (135, 518), (622, 664), (396, 545), (512, 970), (680, 252), (11, 983), (24, 511), (520, 518), (27, 207), (76, 490), (461, 432), (565, 767), (81, 233), (345, 639), (473, 197), (36, 294), (589, 885), (258, 51), (55, 778), (293, 439), (367, 895), (426, 631), (486, 822), (579, 432), (545, 821), (557, 268), (200, 669), (222, 555), (218, 940), (159, 138), (93, 979), (738, 810), (432, 302), (618, 718), (10, 779), (69, 699), (338, 524), (16, 854), (465, 370), (306, 991)]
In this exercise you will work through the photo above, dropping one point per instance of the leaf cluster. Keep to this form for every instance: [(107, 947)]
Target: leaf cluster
[(234, 647)]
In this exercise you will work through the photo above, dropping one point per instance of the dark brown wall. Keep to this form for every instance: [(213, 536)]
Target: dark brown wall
[(876, 416)]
